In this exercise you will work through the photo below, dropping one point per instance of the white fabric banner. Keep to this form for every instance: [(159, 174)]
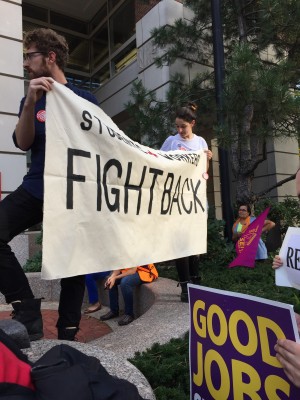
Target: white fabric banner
[(110, 202)]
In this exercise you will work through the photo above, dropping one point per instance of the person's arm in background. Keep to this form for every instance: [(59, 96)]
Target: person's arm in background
[(236, 235), (288, 351), (117, 274), (209, 157), (268, 225)]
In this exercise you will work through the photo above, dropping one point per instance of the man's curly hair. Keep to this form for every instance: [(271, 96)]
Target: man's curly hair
[(46, 40)]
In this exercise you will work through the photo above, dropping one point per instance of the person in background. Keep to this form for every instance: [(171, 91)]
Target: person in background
[(242, 223), (288, 351), (186, 140), (92, 289), (45, 58), (128, 279)]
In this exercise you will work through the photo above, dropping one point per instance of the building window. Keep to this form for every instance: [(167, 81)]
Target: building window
[(64, 21), (99, 18), (80, 81), (100, 77), (124, 58), (79, 52), (100, 46), (112, 4), (98, 49), (34, 12), (122, 25)]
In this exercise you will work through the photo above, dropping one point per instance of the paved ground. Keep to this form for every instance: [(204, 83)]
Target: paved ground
[(167, 318), (91, 328)]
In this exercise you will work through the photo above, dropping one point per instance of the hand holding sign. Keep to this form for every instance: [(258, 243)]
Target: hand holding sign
[(288, 354), (289, 259)]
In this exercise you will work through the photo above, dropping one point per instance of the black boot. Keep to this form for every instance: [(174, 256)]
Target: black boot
[(28, 312), (184, 297), (67, 333)]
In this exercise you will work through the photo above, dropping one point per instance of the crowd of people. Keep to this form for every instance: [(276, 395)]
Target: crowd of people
[(45, 58)]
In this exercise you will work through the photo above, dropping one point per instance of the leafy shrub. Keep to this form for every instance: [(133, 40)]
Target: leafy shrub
[(166, 368), (219, 251), (34, 264), (285, 213)]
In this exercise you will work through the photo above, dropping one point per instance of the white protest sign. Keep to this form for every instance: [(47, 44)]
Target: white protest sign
[(110, 202), (289, 274)]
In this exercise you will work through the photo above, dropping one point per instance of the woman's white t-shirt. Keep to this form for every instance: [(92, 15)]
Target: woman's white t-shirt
[(177, 143)]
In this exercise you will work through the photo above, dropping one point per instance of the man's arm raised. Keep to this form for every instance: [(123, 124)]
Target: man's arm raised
[(25, 129)]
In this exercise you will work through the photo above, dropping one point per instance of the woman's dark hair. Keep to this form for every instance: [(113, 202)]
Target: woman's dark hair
[(187, 113), (46, 40), (247, 206)]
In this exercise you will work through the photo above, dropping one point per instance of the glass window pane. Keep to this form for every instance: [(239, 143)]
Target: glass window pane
[(82, 82), (35, 12), (79, 52), (100, 46), (122, 25), (29, 26), (125, 57), (67, 22), (101, 77), (98, 18), (112, 4)]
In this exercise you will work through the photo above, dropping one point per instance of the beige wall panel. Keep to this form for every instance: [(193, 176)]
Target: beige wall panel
[(9, 163), (13, 89), (165, 12), (115, 104), (115, 93), (11, 60), (7, 126), (11, 19)]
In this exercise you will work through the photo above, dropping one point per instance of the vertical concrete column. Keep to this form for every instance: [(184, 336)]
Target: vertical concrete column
[(12, 160), (282, 162)]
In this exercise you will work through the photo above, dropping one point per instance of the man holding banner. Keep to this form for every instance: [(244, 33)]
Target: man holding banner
[(45, 56)]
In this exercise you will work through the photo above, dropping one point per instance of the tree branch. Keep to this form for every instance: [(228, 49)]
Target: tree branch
[(280, 183)]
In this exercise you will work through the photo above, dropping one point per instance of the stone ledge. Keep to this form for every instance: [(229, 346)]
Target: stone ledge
[(48, 290), (16, 331), (144, 296)]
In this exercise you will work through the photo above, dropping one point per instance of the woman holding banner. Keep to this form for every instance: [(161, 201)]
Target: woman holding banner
[(243, 222), (187, 140)]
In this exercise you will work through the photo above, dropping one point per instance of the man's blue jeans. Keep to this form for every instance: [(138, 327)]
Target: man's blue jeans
[(19, 211), (127, 285)]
